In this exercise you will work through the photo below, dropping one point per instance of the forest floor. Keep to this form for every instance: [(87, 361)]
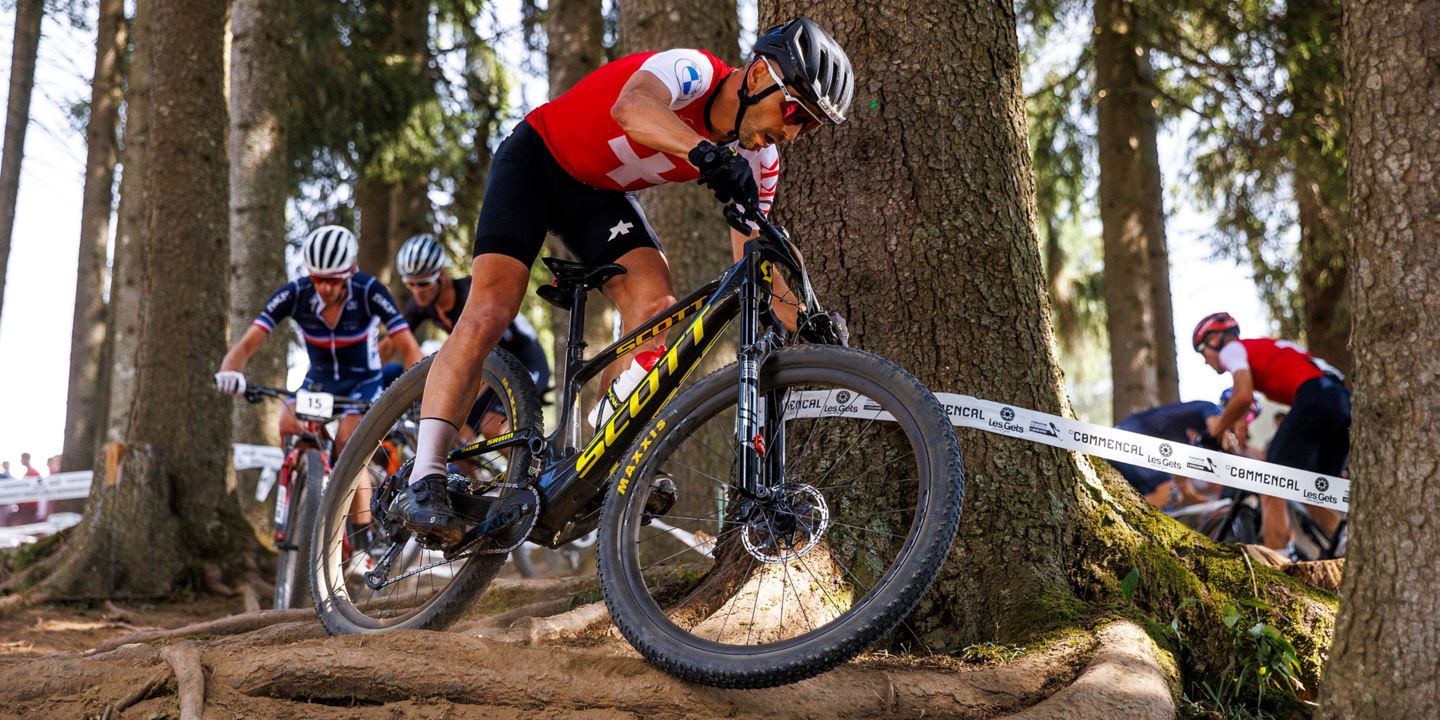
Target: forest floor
[(529, 648)]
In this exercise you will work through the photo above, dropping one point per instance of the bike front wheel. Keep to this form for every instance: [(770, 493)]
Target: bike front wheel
[(293, 556), (862, 491)]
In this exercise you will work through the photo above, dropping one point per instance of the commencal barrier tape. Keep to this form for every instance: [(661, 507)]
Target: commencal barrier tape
[(1185, 460), (72, 485)]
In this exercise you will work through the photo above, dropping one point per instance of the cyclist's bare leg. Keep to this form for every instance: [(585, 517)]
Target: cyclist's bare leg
[(1160, 496), (1274, 522), (289, 423), (640, 294), (495, 294), (1327, 519)]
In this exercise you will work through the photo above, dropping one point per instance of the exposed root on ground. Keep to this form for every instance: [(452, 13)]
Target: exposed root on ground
[(233, 625), (184, 659), (517, 664)]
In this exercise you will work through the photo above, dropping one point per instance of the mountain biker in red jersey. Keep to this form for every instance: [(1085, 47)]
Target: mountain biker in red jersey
[(572, 166), (1315, 434)]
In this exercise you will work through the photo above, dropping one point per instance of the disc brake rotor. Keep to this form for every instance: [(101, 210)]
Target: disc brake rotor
[(788, 527)]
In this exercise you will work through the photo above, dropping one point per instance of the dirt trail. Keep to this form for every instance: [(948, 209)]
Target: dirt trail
[(483, 669)]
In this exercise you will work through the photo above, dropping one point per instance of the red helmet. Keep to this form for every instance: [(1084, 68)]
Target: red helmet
[(1213, 323)]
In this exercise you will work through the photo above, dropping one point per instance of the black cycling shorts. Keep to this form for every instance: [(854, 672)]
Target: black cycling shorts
[(528, 193), (1315, 434)]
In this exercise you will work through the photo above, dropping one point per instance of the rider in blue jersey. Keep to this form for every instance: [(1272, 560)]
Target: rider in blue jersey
[(1181, 423), (338, 311), (440, 299)]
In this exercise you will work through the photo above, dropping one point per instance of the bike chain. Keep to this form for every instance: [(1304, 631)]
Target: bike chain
[(465, 552)]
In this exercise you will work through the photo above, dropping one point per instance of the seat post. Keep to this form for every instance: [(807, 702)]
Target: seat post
[(574, 354)]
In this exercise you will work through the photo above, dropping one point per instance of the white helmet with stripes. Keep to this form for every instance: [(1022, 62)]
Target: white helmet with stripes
[(330, 250), (421, 256)]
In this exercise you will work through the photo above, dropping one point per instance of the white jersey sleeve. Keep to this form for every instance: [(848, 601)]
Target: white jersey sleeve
[(1234, 358), (686, 73)]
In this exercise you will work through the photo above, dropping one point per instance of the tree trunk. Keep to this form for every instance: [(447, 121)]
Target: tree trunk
[(28, 14), (933, 256), (409, 216), (372, 199), (127, 272), (1310, 48), (686, 217), (87, 332), (164, 513), (576, 31), (1131, 212), (258, 183), (1385, 639), (1323, 271)]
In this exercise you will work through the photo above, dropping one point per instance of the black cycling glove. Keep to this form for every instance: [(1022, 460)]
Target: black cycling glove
[(726, 173)]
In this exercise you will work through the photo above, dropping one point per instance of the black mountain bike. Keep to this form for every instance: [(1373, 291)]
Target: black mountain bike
[(299, 484), (756, 527)]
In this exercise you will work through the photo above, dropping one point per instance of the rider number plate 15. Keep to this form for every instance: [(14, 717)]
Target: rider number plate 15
[(315, 404)]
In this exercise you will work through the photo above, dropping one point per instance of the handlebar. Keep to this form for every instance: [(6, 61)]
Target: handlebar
[(255, 393)]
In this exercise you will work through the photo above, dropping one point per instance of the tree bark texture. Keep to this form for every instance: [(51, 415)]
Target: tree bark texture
[(1386, 644), (1132, 213), (917, 218), (176, 449), (127, 271), (258, 184), (372, 199), (28, 14), (87, 332)]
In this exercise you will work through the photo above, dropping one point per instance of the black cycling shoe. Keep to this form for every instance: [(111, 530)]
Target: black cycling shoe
[(662, 498), (424, 509)]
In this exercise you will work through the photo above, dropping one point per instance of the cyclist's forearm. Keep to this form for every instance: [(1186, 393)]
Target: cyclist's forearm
[(241, 352), (409, 350)]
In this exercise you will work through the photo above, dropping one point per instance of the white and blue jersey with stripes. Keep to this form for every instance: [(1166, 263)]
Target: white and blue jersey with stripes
[(349, 349)]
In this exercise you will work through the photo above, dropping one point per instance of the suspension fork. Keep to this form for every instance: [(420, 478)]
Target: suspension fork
[(749, 432)]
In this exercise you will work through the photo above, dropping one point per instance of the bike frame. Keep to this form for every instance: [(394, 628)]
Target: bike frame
[(569, 479)]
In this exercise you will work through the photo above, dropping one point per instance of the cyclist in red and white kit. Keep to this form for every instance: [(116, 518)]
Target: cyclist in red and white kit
[(572, 167), (1316, 432)]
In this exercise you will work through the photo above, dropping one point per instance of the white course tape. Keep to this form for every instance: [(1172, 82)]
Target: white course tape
[(60, 486), (71, 485), (1119, 445)]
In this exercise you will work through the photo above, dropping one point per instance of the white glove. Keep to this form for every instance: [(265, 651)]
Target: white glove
[(230, 382)]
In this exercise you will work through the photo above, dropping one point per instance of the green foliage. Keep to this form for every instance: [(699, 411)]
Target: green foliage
[(1128, 585), (1262, 659), (372, 99)]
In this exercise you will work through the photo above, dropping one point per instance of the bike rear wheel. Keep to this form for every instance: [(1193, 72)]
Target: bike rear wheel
[(864, 486), (292, 561), (423, 588)]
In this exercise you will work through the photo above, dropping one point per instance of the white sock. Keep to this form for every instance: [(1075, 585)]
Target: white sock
[(432, 444)]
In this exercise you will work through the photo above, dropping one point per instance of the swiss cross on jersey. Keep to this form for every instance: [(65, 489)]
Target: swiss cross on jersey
[(589, 144)]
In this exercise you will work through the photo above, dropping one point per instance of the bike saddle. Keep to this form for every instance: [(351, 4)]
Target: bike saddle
[(570, 275)]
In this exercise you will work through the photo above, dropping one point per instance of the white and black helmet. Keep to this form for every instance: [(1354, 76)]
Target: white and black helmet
[(420, 256), (329, 250), (812, 65)]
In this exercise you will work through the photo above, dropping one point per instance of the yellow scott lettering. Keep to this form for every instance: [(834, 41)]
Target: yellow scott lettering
[(660, 327)]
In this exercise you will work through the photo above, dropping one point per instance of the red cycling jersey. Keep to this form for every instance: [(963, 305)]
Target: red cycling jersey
[(589, 144), (1278, 367)]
